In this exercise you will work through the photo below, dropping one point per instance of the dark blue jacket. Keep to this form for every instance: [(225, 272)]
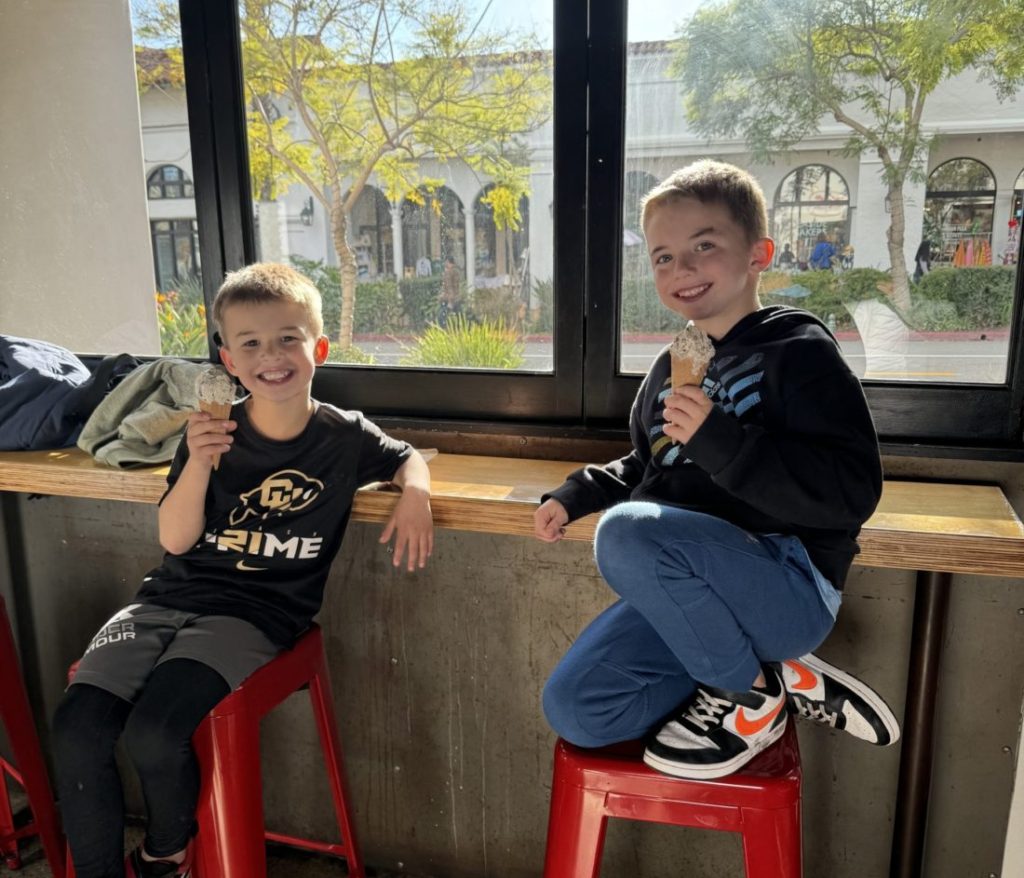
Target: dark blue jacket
[(47, 393)]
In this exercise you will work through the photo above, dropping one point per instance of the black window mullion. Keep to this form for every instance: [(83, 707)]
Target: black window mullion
[(201, 138), (607, 394)]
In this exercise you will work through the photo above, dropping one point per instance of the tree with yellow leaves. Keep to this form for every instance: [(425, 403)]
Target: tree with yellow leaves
[(342, 91)]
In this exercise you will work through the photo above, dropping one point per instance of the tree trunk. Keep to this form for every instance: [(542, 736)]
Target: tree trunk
[(894, 236), (347, 259)]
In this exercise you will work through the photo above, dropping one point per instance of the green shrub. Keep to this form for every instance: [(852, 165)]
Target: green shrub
[(542, 314), (327, 279), (981, 297), (483, 345), (349, 356), (642, 310), (378, 309), (420, 300)]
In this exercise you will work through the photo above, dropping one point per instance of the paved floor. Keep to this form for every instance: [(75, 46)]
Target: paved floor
[(281, 862)]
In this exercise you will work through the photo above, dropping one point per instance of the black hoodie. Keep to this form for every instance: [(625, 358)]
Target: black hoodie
[(789, 446)]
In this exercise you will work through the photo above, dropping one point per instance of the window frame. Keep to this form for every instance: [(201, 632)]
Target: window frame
[(585, 392)]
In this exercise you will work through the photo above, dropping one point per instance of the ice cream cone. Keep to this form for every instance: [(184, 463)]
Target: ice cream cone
[(215, 392), (687, 371), (219, 410)]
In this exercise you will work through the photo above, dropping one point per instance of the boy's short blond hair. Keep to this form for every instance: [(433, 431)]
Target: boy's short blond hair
[(264, 282), (712, 182)]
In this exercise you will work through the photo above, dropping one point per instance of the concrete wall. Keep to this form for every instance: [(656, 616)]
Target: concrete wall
[(437, 679), (73, 220)]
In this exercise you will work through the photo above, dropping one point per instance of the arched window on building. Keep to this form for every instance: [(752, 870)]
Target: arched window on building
[(371, 237), (958, 208), (433, 231), (810, 201), (168, 181), (499, 252), (175, 252)]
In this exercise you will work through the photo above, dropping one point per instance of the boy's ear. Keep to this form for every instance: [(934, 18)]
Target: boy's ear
[(762, 253), (225, 358), (320, 350)]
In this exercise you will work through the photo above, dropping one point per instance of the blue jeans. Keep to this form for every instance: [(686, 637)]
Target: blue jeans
[(702, 601)]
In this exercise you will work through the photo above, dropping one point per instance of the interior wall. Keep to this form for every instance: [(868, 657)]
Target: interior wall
[(437, 678), (75, 266)]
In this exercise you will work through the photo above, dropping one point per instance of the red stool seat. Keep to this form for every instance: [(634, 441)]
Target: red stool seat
[(762, 801), (232, 836), (30, 773)]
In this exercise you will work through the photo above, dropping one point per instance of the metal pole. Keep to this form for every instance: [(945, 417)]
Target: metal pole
[(931, 605)]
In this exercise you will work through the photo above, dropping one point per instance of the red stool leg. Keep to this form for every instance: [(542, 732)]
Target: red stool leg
[(576, 828), (16, 716), (8, 849), (330, 743), (771, 843), (230, 842)]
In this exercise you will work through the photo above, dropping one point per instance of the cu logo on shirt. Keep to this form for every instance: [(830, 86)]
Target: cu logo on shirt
[(285, 491)]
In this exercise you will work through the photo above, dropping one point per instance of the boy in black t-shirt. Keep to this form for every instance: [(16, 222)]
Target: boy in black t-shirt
[(249, 544), (732, 524)]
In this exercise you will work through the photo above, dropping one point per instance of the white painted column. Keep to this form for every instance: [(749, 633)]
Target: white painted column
[(871, 221), (470, 251), (396, 239)]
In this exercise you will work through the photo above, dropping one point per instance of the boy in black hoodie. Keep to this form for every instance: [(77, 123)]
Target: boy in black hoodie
[(732, 523)]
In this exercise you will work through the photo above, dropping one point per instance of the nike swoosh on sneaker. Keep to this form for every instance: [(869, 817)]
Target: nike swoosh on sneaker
[(748, 727), (806, 677)]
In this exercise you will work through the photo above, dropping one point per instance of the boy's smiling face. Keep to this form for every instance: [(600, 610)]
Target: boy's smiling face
[(705, 268), (271, 349)]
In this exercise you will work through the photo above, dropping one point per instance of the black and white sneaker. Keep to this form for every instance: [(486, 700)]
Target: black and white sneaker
[(824, 694), (716, 732)]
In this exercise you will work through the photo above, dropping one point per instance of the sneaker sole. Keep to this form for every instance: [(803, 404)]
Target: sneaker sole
[(872, 698), (719, 769)]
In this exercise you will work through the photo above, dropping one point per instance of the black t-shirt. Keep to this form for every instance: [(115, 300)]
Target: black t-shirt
[(275, 516)]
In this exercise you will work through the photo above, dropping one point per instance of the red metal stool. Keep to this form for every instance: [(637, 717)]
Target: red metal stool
[(232, 836), (762, 801), (16, 716)]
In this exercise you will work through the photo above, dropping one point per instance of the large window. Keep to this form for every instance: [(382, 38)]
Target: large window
[(418, 135), (556, 119)]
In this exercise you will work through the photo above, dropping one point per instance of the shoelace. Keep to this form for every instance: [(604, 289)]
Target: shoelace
[(812, 711), (707, 710)]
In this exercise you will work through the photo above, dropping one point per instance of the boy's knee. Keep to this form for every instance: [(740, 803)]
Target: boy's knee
[(148, 740), (78, 735), (590, 713)]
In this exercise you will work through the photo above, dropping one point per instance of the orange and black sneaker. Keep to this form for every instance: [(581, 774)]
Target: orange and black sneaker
[(137, 867), (824, 694), (717, 732)]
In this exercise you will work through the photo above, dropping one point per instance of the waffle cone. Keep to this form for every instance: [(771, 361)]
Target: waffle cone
[(219, 410), (685, 371)]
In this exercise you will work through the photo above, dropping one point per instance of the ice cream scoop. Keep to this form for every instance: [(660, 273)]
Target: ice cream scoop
[(215, 389), (691, 352)]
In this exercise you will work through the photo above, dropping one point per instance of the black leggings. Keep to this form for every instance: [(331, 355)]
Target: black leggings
[(157, 733)]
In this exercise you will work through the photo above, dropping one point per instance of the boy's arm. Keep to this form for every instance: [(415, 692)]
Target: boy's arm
[(182, 515), (823, 471), (594, 487), (411, 521)]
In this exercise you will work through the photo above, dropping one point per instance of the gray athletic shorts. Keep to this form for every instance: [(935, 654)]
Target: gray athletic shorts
[(135, 640)]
